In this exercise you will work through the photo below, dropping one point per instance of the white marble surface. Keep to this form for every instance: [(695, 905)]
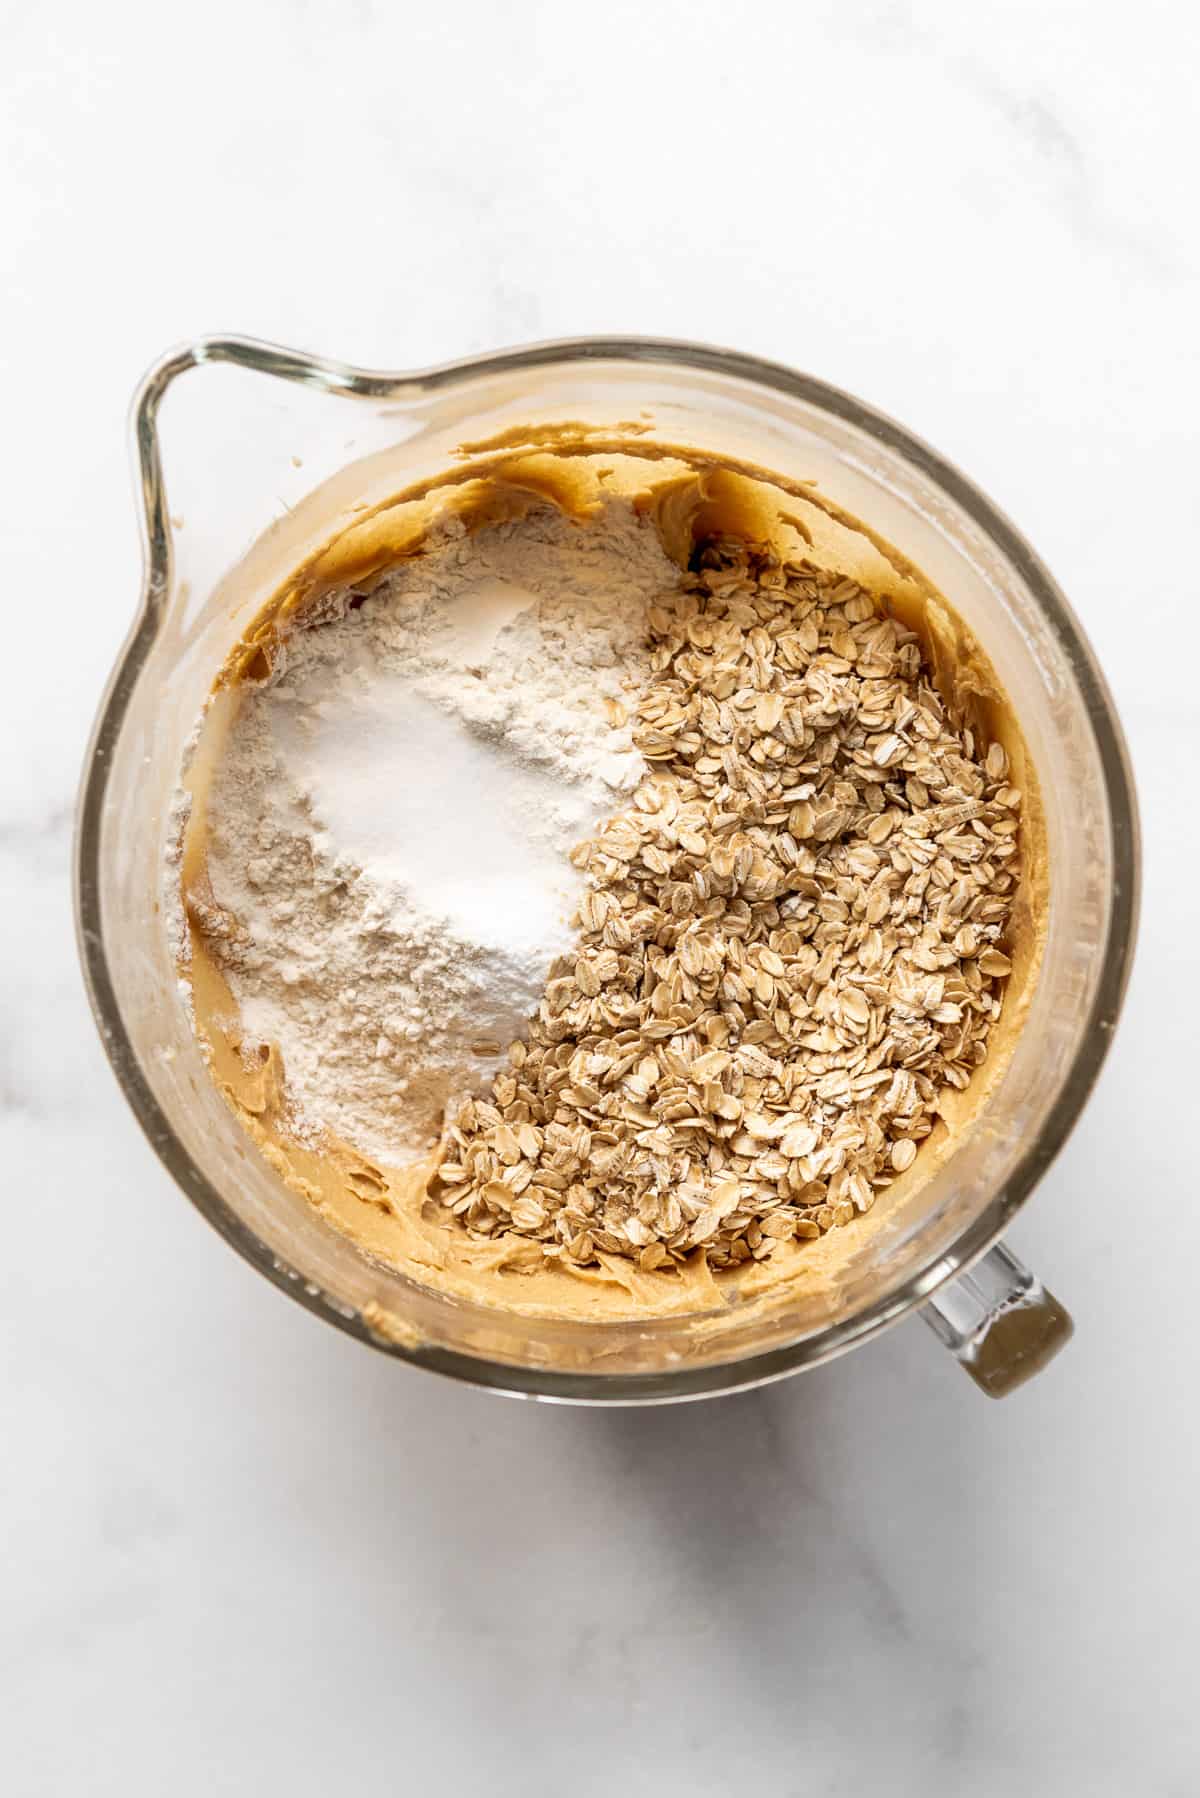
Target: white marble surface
[(241, 1553)]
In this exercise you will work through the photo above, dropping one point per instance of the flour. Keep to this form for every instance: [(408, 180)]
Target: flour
[(390, 820)]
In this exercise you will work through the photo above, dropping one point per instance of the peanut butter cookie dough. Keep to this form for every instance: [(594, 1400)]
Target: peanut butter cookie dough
[(781, 878)]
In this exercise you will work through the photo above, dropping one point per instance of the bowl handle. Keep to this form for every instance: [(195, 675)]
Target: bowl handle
[(999, 1322), (335, 379)]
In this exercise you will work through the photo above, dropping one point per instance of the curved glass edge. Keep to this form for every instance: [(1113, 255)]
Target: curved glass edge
[(676, 1384)]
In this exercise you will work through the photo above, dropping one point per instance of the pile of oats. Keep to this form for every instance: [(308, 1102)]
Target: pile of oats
[(790, 944)]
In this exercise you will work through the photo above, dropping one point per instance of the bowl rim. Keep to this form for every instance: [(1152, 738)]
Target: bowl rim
[(332, 377)]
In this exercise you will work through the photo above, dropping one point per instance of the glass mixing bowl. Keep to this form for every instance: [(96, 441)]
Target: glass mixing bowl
[(271, 454)]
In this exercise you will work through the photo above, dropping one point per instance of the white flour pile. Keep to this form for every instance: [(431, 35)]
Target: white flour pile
[(390, 821)]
